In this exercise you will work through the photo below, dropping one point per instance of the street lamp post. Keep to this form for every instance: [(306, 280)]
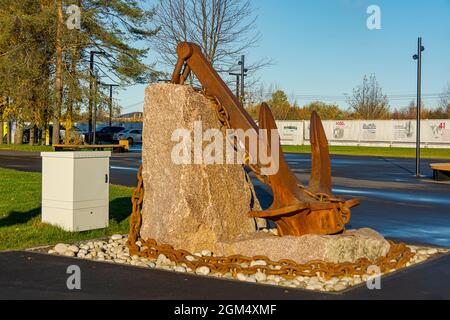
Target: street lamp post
[(111, 86), (91, 92), (94, 111), (418, 57), (240, 82), (243, 75), (238, 76)]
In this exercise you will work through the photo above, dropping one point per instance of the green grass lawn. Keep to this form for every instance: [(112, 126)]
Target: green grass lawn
[(20, 213), (376, 151), (25, 147)]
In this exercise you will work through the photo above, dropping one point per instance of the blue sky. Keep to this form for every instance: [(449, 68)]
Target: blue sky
[(323, 48)]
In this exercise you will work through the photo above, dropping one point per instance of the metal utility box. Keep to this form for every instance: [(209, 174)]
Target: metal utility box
[(75, 190)]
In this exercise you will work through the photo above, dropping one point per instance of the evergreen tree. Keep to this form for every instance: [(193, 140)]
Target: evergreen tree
[(44, 64)]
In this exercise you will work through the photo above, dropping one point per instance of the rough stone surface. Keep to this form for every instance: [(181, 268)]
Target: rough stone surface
[(348, 247), (189, 206)]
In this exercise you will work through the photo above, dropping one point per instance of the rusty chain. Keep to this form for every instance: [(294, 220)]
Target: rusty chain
[(397, 258)]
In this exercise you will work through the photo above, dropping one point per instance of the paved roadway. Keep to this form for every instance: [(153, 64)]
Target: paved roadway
[(394, 202), (28, 275)]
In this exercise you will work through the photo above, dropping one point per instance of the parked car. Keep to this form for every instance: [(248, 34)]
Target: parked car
[(105, 135), (133, 136)]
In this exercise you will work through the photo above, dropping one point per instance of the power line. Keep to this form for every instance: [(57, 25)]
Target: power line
[(133, 105)]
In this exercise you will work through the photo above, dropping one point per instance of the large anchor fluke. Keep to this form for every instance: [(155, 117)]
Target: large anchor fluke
[(320, 180)]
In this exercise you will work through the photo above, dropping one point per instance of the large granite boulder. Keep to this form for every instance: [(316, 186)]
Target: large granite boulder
[(189, 206)]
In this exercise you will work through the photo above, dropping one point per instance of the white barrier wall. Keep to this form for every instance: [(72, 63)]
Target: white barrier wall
[(291, 132), (385, 133)]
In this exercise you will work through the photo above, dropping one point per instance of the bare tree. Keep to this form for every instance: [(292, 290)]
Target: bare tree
[(368, 100), (445, 99), (224, 29)]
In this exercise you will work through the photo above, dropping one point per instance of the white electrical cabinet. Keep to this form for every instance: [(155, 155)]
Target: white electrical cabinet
[(75, 190)]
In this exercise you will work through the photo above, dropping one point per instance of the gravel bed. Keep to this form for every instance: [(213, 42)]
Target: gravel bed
[(114, 250)]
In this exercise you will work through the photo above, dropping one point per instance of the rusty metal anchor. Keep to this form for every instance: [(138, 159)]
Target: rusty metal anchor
[(296, 210)]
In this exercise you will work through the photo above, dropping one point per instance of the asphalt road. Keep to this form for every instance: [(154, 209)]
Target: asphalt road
[(394, 202), (27, 275)]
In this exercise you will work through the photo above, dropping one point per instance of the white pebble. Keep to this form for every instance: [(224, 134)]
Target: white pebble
[(313, 281), (339, 287), (274, 278), (162, 260), (116, 237), (74, 249), (69, 253), (258, 263), (206, 253), (61, 248), (241, 277), (180, 269), (190, 258), (203, 271), (260, 277)]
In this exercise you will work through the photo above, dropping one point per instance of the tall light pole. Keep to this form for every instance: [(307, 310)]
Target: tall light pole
[(418, 57), (238, 76), (111, 86), (240, 82), (91, 91), (94, 111), (243, 75)]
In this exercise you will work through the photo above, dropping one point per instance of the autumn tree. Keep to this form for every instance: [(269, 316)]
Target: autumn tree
[(44, 64), (324, 110), (25, 60), (368, 100), (444, 102)]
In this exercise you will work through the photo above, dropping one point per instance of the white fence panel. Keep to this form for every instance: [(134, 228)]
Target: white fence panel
[(388, 133), (291, 132)]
